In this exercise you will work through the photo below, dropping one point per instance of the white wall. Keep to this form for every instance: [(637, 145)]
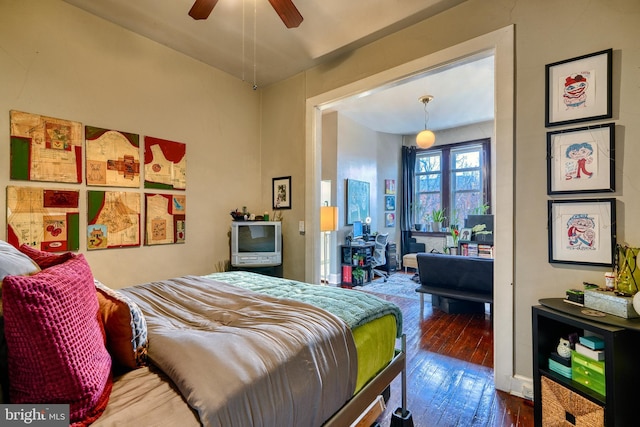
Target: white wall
[(59, 61)]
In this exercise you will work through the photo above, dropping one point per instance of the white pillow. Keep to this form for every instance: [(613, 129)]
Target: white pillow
[(15, 263)]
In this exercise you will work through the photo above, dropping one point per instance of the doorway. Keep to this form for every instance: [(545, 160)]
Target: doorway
[(501, 42)]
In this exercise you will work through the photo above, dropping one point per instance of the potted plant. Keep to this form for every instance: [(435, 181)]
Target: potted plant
[(437, 218), (455, 234), (358, 276)]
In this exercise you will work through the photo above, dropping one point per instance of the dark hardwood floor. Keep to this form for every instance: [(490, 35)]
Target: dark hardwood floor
[(450, 372)]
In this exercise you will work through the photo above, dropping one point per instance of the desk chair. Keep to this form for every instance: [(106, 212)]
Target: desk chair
[(379, 258)]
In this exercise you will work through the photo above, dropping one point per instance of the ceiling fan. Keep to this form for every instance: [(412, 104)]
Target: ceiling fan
[(288, 12)]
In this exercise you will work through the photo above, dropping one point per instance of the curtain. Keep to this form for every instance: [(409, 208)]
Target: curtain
[(408, 180)]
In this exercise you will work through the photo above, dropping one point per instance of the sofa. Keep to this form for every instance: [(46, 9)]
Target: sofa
[(458, 284)]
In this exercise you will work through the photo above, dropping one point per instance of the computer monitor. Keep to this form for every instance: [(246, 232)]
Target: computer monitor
[(357, 230)]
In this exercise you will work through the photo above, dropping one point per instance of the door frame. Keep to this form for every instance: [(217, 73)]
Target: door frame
[(501, 43)]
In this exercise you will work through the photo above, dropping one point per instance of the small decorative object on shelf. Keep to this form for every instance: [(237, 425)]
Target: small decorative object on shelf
[(480, 232), (239, 216), (564, 348), (627, 274)]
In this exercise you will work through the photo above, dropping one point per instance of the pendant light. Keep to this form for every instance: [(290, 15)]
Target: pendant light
[(426, 138)]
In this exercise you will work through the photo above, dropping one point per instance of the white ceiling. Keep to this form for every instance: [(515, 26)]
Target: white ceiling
[(330, 28)]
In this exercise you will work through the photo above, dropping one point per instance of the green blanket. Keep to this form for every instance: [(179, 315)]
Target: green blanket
[(355, 308)]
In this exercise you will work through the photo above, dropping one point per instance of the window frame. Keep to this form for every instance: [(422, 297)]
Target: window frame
[(446, 174)]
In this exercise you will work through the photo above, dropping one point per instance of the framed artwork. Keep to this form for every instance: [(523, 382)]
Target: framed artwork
[(112, 158), (165, 218), (165, 164), (465, 234), (581, 160), (357, 201), (113, 219), (582, 231), (579, 89), (281, 192), (45, 148), (390, 203), (43, 218), (389, 186), (389, 219)]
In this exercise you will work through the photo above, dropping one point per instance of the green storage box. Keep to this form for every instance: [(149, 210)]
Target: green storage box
[(588, 372)]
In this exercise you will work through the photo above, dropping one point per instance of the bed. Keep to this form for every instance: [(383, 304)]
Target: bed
[(232, 349)]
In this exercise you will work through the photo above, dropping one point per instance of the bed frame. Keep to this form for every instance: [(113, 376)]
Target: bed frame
[(374, 388)]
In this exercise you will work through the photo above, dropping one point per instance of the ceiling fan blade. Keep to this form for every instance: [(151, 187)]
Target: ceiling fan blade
[(201, 9), (288, 12)]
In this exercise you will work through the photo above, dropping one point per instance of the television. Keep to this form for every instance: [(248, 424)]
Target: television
[(357, 230), (256, 243)]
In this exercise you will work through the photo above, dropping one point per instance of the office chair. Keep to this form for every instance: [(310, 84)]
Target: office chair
[(379, 258)]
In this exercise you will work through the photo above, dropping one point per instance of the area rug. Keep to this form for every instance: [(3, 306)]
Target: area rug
[(398, 284)]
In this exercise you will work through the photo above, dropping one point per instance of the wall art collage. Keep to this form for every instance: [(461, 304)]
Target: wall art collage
[(48, 149)]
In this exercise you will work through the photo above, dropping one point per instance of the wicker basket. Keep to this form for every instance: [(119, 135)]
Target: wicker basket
[(559, 405)]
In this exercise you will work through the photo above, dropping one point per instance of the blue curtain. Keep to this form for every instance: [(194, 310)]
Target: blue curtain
[(408, 180)]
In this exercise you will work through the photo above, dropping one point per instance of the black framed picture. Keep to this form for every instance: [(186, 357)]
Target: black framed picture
[(357, 200), (281, 192), (581, 160), (582, 231), (579, 89)]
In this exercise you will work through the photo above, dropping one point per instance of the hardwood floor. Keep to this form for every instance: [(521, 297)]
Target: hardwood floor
[(450, 372)]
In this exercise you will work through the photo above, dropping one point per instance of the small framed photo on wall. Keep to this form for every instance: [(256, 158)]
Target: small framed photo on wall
[(281, 192), (579, 89), (389, 186), (582, 231), (581, 160), (390, 203), (389, 219)]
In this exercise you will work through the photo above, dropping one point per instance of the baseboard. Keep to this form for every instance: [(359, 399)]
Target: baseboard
[(522, 386)]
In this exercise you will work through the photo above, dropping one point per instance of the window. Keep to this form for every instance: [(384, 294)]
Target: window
[(455, 178)]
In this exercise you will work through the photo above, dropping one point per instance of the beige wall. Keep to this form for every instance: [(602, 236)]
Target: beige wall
[(546, 31), (59, 61)]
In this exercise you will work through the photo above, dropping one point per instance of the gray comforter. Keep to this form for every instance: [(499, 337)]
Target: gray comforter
[(244, 359)]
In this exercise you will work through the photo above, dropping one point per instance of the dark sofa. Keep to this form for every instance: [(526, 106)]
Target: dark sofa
[(457, 283)]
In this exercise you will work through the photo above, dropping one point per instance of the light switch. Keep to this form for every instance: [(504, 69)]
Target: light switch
[(301, 226)]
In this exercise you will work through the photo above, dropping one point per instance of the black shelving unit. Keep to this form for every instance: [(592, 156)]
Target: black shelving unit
[(554, 319), (358, 251)]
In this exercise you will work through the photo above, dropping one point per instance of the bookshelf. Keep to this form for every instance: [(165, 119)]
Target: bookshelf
[(356, 256), (554, 319)]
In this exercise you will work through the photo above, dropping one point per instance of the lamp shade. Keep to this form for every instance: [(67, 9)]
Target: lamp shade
[(425, 139), (328, 218)]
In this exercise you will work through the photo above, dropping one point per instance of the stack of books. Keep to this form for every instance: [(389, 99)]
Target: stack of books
[(592, 347), (560, 365), (485, 251), (473, 249), (575, 296)]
